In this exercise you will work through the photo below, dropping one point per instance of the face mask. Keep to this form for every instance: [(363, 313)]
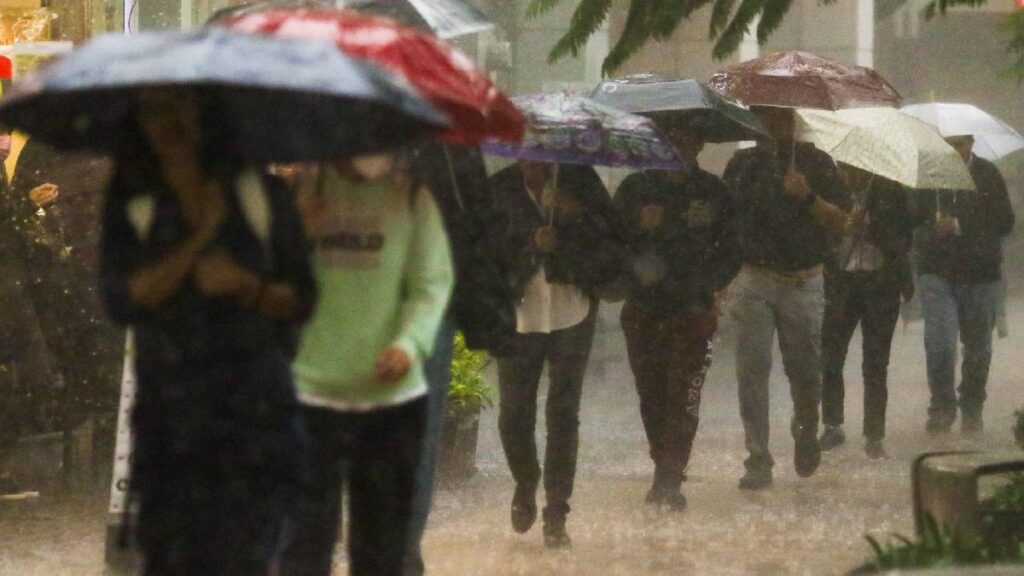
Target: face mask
[(374, 166)]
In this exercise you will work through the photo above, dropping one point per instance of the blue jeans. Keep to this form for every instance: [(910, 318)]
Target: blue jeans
[(951, 312), (438, 371)]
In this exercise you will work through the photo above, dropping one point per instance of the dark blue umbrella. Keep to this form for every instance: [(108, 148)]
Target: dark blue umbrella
[(277, 100)]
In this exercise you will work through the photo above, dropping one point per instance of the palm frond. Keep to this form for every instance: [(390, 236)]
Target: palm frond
[(541, 7), (731, 38), (586, 19)]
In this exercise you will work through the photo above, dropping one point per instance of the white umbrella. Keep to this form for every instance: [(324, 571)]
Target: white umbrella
[(993, 138), (886, 142)]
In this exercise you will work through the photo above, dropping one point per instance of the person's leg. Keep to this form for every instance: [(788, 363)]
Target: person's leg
[(646, 346), (438, 371), (941, 329), (689, 361), (755, 319), (843, 307), (385, 459), (799, 316), (881, 314), (567, 363), (518, 379), (313, 521), (977, 317)]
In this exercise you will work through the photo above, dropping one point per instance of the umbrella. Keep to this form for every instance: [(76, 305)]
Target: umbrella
[(803, 80), (721, 119), (445, 76), (886, 142), (445, 18), (993, 138), (280, 100), (567, 128)]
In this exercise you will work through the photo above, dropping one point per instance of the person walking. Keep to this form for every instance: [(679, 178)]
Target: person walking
[(960, 254), (681, 228), (790, 199), (864, 285), (561, 243), (207, 263), (385, 275)]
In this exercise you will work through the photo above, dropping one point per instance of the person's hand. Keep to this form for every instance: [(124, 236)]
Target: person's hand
[(393, 364), (855, 222), (546, 239), (945, 226), (277, 301), (315, 213), (651, 217), (44, 195), (217, 274), (721, 297), (795, 184)]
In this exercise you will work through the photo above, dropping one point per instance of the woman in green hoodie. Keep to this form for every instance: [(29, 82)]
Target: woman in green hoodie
[(383, 265)]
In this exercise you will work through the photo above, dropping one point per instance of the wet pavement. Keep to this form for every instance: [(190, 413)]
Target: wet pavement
[(814, 526)]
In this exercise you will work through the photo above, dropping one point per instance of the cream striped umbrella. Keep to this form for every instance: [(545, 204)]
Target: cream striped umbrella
[(886, 142)]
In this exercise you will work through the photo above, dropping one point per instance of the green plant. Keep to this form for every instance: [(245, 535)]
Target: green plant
[(468, 391), (937, 547), (1007, 498)]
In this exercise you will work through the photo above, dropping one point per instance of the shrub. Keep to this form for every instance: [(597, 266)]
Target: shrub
[(468, 391)]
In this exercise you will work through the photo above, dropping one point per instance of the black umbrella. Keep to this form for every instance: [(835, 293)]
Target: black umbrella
[(277, 100), (445, 18), (719, 118)]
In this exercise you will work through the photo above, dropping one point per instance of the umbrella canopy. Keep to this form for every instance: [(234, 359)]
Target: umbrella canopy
[(567, 128), (993, 138), (886, 142), (280, 100), (803, 80), (445, 76), (720, 118), (445, 18)]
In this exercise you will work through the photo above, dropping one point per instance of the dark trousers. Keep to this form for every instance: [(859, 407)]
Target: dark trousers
[(871, 300), (438, 369), (566, 352), (376, 454), (670, 357)]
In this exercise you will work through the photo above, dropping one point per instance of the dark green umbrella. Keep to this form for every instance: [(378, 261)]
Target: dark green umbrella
[(719, 118)]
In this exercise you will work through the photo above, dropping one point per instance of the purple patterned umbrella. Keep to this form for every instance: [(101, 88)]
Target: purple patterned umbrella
[(571, 129)]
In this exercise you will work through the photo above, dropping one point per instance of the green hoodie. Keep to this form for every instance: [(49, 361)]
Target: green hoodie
[(385, 276)]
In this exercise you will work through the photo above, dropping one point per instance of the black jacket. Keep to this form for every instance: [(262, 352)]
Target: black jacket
[(482, 304), (890, 228), (975, 255), (693, 254), (591, 248), (777, 231)]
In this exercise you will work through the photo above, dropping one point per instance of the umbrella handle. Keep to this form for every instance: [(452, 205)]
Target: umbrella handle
[(451, 175)]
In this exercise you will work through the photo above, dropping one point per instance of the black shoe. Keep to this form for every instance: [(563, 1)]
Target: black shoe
[(674, 501), (940, 423), (11, 492), (971, 422), (807, 457), (555, 535), (524, 509), (654, 495), (874, 449), (757, 479), (832, 438)]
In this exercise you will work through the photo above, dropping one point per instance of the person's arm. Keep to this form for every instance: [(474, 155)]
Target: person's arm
[(289, 294), (891, 227), (997, 216), (429, 278), (831, 217), (727, 256)]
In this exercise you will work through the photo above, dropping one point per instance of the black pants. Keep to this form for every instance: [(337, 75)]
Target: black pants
[(566, 352), (670, 357), (871, 300), (376, 454)]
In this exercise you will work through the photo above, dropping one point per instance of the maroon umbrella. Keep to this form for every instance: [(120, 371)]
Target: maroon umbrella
[(803, 80)]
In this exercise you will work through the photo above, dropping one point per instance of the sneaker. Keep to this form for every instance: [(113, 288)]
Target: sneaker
[(832, 438), (971, 422), (654, 495), (875, 450), (11, 492), (555, 535), (807, 457), (524, 509), (757, 479), (939, 423)]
